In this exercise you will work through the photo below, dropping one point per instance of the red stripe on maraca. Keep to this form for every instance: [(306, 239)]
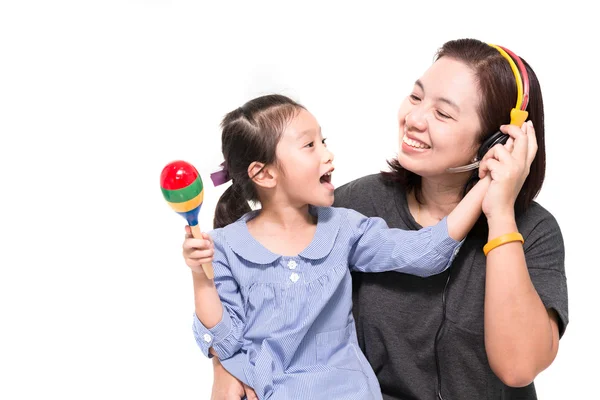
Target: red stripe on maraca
[(177, 175)]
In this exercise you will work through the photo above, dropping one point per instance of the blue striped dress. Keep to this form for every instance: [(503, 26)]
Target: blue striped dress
[(287, 328)]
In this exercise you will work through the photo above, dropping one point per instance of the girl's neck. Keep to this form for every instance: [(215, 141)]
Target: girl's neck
[(285, 230), (284, 217)]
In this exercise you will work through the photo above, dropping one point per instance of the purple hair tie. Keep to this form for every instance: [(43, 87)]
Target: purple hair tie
[(220, 177)]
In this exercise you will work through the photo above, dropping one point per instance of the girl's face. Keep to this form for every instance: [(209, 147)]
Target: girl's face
[(305, 163), (438, 121)]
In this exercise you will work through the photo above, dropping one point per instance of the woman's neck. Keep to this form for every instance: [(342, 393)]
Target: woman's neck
[(438, 199)]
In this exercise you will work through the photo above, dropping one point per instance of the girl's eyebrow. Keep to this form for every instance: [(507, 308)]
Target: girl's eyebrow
[(305, 132)]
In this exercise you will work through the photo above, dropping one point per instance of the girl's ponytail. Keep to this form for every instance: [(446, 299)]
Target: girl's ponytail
[(230, 207)]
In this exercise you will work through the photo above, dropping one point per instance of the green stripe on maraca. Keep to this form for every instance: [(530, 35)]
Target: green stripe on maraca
[(185, 194)]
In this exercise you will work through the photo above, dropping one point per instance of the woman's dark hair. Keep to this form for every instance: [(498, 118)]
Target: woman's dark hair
[(250, 133), (499, 93)]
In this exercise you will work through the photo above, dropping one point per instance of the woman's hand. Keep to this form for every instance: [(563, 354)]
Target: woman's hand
[(508, 169)]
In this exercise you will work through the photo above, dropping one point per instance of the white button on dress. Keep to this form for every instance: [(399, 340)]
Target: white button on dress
[(294, 277), (292, 264)]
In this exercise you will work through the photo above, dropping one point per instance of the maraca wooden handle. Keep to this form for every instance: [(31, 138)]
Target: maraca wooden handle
[(207, 268)]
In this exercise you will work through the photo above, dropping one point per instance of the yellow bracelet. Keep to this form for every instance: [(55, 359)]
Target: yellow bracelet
[(500, 240)]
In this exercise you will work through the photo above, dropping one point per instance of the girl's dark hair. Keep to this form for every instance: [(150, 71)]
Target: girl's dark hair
[(499, 93), (250, 133)]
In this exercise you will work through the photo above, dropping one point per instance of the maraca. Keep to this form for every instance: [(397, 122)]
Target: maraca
[(182, 188)]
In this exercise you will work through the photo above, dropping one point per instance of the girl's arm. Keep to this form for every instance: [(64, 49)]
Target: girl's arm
[(426, 252), (219, 318)]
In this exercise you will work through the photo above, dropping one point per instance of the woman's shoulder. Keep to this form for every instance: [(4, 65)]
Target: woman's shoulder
[(536, 215), (536, 222), (374, 196), (366, 187), (370, 181)]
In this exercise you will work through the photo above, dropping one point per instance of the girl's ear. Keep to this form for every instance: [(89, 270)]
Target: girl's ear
[(263, 175)]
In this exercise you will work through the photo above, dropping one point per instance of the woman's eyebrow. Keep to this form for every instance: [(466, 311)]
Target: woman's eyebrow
[(442, 99)]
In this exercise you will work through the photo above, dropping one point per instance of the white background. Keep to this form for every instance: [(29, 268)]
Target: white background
[(97, 96)]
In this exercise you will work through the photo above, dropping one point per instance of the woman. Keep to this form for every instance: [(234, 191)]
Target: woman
[(485, 328)]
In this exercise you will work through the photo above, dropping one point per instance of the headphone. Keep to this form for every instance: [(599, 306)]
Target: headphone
[(518, 115)]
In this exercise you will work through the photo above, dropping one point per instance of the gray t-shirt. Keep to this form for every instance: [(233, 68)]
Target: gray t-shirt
[(398, 315)]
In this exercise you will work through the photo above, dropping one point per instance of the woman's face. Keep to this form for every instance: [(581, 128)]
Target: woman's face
[(438, 121)]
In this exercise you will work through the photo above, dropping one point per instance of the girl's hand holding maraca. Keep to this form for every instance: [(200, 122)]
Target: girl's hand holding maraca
[(197, 251)]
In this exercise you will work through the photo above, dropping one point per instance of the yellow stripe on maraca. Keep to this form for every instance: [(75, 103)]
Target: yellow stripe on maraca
[(188, 205)]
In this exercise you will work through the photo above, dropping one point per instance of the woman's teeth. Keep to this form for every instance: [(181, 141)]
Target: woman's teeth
[(414, 143)]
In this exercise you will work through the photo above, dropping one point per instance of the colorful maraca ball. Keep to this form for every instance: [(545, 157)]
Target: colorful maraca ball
[(181, 186)]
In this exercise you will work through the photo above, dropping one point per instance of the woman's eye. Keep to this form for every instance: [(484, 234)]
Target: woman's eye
[(414, 97), (441, 114)]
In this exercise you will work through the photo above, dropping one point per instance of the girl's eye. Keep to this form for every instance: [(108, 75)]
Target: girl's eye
[(311, 144), (323, 141), (441, 114)]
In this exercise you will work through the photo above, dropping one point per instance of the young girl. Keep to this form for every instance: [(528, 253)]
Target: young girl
[(278, 313)]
